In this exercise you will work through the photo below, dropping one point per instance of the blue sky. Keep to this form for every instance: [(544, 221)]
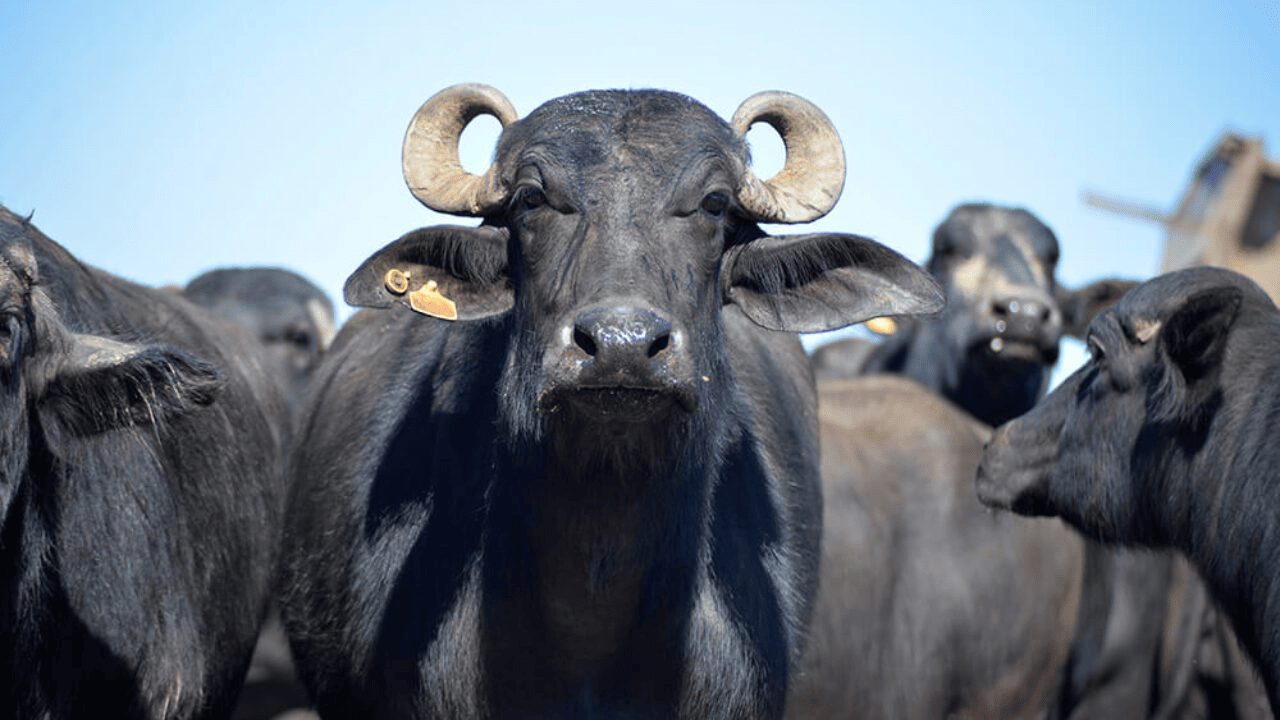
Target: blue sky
[(158, 140)]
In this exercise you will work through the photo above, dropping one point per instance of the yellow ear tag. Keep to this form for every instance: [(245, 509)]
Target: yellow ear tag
[(397, 281), (429, 301), (882, 325)]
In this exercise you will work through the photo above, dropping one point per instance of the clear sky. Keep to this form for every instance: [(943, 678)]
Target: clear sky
[(158, 140)]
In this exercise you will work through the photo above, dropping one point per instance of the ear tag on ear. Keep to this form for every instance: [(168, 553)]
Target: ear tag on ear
[(882, 325), (397, 281), (429, 301)]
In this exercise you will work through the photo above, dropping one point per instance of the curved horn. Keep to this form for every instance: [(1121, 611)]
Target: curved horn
[(808, 185), (432, 169)]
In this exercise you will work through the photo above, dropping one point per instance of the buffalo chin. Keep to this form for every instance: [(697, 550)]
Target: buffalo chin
[(628, 435), (1002, 493), (620, 406), (1013, 351)]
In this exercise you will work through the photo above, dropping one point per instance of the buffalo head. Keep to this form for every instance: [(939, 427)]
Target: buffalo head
[(617, 227), (1111, 449), (288, 314), (994, 346), (59, 384)]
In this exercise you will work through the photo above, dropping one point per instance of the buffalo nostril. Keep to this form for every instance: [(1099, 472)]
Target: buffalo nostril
[(1023, 310), (619, 336), (659, 344), (584, 341)]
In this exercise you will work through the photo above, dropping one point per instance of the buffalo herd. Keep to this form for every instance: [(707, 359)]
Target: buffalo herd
[(572, 461)]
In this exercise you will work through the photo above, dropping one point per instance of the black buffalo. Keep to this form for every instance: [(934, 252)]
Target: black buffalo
[(990, 354), (929, 606), (992, 350), (140, 493), (293, 321), (596, 493), (1165, 439), (290, 316)]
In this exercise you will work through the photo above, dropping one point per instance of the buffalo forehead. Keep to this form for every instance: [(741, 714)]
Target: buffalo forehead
[(622, 106), (1016, 234), (1010, 242), (1018, 261), (254, 283), (643, 127)]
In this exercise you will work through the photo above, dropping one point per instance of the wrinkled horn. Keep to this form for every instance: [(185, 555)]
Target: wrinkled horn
[(808, 185), (432, 169)]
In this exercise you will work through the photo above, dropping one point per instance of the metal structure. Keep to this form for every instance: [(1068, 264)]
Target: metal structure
[(1229, 215)]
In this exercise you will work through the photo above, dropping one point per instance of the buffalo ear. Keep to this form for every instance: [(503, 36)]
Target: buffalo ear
[(1079, 307), (468, 265), (104, 384), (1195, 336), (812, 283)]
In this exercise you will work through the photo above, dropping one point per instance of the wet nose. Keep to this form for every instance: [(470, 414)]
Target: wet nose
[(1023, 313), (625, 335), (1021, 308)]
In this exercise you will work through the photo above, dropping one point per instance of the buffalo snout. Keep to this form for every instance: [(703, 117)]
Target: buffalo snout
[(1015, 470), (990, 483), (1027, 323), (627, 338), (622, 362)]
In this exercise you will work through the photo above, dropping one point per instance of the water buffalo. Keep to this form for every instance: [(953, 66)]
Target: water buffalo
[(929, 606), (1164, 439), (140, 493), (992, 349), (286, 312), (990, 354), (293, 321), (595, 493)]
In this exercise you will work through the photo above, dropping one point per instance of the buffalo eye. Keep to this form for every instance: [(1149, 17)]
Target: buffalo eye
[(531, 198), (714, 204), (8, 334), (298, 336)]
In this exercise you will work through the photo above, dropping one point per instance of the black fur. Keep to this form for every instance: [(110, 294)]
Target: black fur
[(140, 483), (285, 312), (1166, 439), (984, 256), (491, 520), (292, 320), (929, 605), (981, 268)]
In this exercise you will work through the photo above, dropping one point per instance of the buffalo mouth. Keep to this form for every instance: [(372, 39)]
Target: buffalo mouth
[(618, 404), (998, 494), (1014, 481), (1015, 350), (990, 492)]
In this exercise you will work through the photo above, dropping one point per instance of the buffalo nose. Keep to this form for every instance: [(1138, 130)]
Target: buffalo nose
[(1025, 309), (622, 334), (1027, 319)]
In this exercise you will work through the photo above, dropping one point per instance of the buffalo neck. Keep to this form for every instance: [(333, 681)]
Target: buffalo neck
[(997, 391), (991, 390), (1231, 528), (591, 555)]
